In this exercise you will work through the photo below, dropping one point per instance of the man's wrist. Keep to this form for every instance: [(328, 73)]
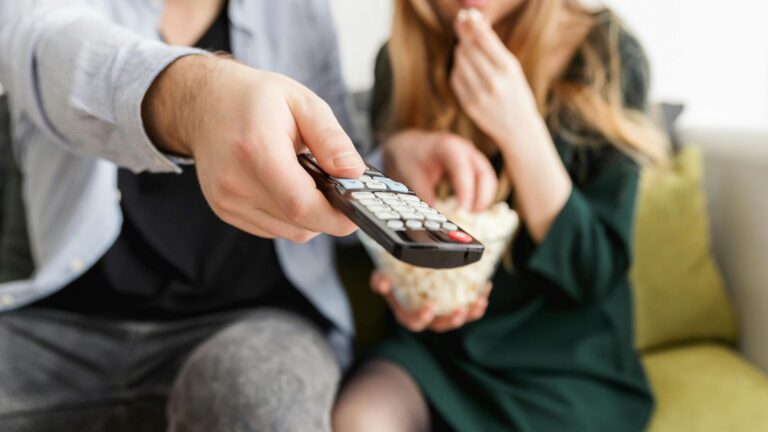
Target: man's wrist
[(169, 109)]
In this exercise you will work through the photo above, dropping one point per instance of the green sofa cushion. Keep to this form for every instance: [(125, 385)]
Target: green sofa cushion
[(706, 387), (679, 293)]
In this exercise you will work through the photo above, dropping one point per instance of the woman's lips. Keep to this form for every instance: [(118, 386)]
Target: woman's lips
[(473, 3)]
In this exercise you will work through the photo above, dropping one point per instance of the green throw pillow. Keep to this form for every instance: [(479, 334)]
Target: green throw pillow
[(679, 292)]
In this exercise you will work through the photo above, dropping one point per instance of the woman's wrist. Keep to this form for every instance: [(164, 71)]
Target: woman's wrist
[(524, 136)]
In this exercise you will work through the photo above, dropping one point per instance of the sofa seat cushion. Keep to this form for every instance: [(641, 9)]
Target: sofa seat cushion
[(706, 387)]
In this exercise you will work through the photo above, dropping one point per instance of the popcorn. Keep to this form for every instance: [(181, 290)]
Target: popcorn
[(449, 289)]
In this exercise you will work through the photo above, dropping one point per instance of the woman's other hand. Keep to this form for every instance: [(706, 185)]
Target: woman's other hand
[(424, 318), (422, 159), (489, 81)]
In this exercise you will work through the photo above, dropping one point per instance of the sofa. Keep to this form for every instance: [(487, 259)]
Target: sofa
[(712, 385)]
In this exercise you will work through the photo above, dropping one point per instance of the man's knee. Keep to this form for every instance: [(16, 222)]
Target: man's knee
[(271, 371)]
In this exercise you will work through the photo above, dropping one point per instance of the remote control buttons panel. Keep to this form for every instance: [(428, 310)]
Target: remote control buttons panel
[(404, 212)]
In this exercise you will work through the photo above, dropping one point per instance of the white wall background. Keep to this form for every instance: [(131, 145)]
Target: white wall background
[(710, 55)]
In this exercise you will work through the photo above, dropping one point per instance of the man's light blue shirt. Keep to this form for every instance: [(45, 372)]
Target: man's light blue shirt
[(76, 72)]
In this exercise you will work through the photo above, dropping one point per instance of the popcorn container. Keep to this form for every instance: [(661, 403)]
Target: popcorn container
[(449, 289)]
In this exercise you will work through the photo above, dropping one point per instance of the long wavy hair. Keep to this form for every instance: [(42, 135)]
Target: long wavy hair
[(421, 50)]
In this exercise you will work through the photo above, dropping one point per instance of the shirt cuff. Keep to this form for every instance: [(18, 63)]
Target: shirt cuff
[(149, 60)]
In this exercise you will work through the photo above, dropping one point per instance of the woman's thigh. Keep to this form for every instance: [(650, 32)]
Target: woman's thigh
[(271, 370), (381, 396)]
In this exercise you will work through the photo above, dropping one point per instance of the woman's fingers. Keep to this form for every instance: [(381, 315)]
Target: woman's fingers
[(473, 28), (415, 321), (484, 73), (474, 78), (449, 322), (380, 284), (453, 155), (486, 182)]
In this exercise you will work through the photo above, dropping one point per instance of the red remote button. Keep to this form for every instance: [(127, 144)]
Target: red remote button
[(460, 237)]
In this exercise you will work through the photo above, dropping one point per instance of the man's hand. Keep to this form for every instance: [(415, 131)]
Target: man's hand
[(244, 128), (424, 318), (422, 159)]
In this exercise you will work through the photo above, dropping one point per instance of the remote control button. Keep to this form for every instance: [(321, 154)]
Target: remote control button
[(400, 208), (377, 208), (450, 226), (460, 237), (413, 224), (376, 185), (395, 186), (437, 218), (411, 215), (410, 198), (365, 178), (426, 210), (395, 224), (371, 201), (432, 225), (363, 195), (386, 215), (350, 184), (383, 195), (421, 204)]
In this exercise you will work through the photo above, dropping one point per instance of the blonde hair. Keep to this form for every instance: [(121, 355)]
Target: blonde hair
[(420, 51)]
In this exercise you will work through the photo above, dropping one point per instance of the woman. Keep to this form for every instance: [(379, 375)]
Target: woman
[(553, 95)]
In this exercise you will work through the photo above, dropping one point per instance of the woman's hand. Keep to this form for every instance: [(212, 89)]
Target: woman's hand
[(492, 88), (424, 318), (422, 159), (488, 80)]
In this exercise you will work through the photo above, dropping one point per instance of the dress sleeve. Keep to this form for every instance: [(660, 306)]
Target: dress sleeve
[(587, 251)]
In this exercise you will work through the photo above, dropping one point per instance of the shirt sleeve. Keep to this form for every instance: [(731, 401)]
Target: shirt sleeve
[(587, 251), (81, 78)]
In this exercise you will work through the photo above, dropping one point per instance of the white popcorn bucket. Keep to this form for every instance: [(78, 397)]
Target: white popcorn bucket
[(449, 289)]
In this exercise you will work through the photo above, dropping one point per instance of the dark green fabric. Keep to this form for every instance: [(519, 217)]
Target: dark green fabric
[(15, 257), (555, 349)]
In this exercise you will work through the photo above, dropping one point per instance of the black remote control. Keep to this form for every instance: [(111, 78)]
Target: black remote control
[(396, 218)]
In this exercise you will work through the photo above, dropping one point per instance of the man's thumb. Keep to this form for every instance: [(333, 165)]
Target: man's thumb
[(325, 137)]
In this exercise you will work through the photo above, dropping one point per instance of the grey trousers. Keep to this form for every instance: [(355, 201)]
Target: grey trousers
[(265, 370)]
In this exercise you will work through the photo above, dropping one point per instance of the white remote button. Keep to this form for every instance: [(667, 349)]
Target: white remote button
[(395, 224), (411, 215), (363, 195), (410, 198), (385, 195), (385, 215), (432, 225), (437, 218), (413, 224), (400, 208), (426, 210), (420, 204), (375, 185), (450, 226), (377, 208), (370, 201), (365, 178)]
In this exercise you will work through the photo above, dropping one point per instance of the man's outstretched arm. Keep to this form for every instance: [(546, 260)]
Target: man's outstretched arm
[(99, 89)]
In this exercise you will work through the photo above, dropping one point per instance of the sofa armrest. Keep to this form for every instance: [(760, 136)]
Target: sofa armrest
[(736, 184)]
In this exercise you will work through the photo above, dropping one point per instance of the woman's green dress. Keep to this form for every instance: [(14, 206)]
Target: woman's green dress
[(554, 351)]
